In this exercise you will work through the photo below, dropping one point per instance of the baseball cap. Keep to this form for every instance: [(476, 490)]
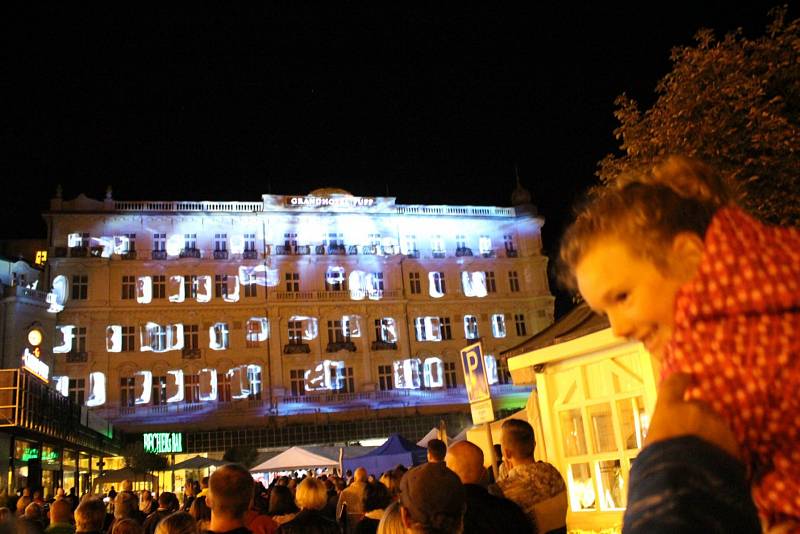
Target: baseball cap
[(431, 490)]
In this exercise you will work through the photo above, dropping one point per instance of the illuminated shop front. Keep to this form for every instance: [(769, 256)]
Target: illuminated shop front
[(592, 404), (171, 314)]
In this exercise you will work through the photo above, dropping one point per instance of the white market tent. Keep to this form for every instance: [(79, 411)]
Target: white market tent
[(294, 458), (432, 434)]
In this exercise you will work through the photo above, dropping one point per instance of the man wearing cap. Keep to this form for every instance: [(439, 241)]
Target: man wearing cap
[(537, 487), (485, 513), (432, 500)]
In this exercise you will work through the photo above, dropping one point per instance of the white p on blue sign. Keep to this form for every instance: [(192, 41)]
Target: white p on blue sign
[(475, 373)]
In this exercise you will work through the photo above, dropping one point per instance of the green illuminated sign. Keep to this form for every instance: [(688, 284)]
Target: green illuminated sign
[(33, 454), (162, 442)]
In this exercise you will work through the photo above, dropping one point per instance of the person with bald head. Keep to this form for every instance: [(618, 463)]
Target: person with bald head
[(485, 512), (230, 489), (60, 518), (350, 508)]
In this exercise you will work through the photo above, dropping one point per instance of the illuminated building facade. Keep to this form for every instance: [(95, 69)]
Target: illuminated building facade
[(325, 303)]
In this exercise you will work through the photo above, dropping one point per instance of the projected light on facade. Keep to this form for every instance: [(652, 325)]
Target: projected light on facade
[(143, 387), (436, 284), (498, 325), (326, 375), (97, 389), (175, 385), (473, 284), (61, 384), (257, 329), (174, 244), (204, 288), (491, 369), (144, 289), (406, 373), (57, 296), (308, 327), (428, 328), (175, 288), (160, 338), (218, 336), (258, 274), (114, 338), (208, 384), (63, 340)]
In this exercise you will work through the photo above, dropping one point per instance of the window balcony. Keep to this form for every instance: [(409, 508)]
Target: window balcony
[(128, 255), (77, 356), (250, 255), (78, 252), (383, 345), (511, 253), (296, 348), (158, 254), (283, 250), (336, 346), (320, 249), (220, 255), (96, 252), (488, 254), (303, 250), (388, 251), (60, 252), (463, 251), (189, 253), (337, 250), (369, 250), (191, 353), (412, 254), (352, 250), (438, 254)]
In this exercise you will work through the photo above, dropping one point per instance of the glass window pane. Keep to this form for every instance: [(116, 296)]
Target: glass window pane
[(612, 485), (572, 431), (632, 422), (602, 428), (581, 488)]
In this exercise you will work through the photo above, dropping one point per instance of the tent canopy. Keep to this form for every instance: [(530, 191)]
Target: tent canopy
[(396, 450), (432, 434), (198, 462), (126, 473), (294, 458)]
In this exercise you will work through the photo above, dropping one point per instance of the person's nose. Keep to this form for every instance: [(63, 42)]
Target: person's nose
[(620, 325)]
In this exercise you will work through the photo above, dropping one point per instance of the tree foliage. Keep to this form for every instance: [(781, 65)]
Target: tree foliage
[(243, 455), (142, 461), (734, 103)]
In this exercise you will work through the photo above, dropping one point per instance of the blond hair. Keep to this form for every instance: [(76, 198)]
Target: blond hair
[(647, 209), (311, 494)]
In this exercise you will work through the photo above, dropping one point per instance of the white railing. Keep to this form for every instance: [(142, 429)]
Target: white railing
[(473, 211), (149, 205)]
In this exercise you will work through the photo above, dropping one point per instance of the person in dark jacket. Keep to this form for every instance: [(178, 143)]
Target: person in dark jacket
[(311, 497), (484, 510), (376, 499)]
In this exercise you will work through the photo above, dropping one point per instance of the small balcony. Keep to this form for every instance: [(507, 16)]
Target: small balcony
[(220, 255), (250, 255), (463, 251), (337, 250), (189, 253), (191, 353), (77, 356), (412, 254), (383, 345), (158, 254), (283, 250), (78, 252), (511, 253), (303, 250), (352, 250), (96, 252), (369, 250), (319, 249), (60, 252), (336, 346), (296, 348), (488, 253), (129, 255), (438, 254)]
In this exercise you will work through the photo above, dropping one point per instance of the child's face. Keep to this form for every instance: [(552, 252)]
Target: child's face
[(638, 298)]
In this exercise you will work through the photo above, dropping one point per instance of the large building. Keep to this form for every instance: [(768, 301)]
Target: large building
[(234, 321)]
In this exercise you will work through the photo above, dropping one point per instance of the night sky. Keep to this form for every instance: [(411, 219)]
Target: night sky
[(432, 105)]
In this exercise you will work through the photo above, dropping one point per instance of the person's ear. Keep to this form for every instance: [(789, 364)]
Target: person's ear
[(404, 517), (685, 255), (210, 500)]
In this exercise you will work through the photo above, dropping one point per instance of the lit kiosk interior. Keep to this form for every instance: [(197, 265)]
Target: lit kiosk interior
[(52, 441), (592, 403)]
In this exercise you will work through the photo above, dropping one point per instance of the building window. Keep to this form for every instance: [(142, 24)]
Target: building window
[(427, 329), (450, 377), (77, 390), (374, 240), (491, 286), (347, 380), (297, 382), (290, 241), (159, 286), (253, 334), (80, 339), (159, 241), (190, 286), (414, 283), (385, 330), (508, 241), (513, 281), (438, 286), (337, 333), (485, 244), (461, 241), (498, 325), (127, 391), (437, 245), (220, 336), (158, 338), (445, 332), (251, 290), (295, 331), (335, 279), (220, 242), (254, 379), (519, 321), (130, 243), (128, 287), (128, 338), (250, 242), (190, 241), (385, 377), (470, 327), (377, 282), (190, 340), (220, 285), (292, 282), (334, 239), (223, 387), (503, 374), (191, 388), (80, 286), (410, 245)]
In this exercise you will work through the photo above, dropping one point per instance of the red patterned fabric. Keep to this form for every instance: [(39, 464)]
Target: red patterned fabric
[(737, 331)]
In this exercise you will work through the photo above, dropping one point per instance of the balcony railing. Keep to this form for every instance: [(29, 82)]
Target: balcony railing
[(60, 252), (383, 345), (220, 255), (303, 250), (129, 255), (463, 251), (96, 251), (189, 253), (158, 254), (191, 353), (319, 249), (77, 356), (78, 252), (250, 255), (352, 250), (337, 250), (488, 253), (412, 254), (293, 295), (511, 253), (283, 250), (369, 250), (296, 348), (336, 346), (438, 254)]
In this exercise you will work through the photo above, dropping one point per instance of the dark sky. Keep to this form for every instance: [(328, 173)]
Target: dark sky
[(435, 105)]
